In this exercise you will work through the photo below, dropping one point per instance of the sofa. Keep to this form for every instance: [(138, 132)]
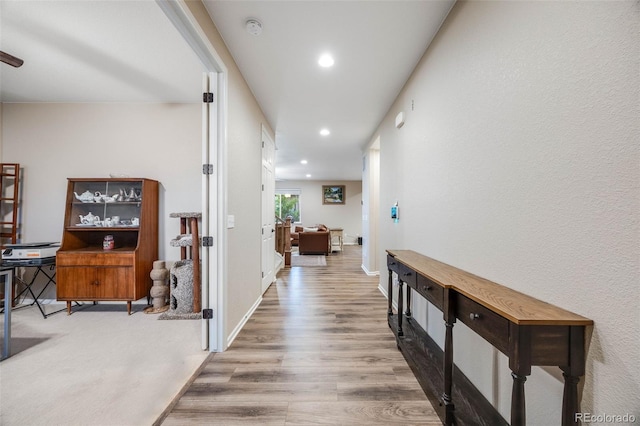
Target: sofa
[(312, 240)]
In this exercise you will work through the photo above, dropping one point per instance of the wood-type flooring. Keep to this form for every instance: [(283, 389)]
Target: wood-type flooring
[(317, 350)]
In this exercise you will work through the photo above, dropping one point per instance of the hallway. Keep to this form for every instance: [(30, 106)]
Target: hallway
[(316, 351)]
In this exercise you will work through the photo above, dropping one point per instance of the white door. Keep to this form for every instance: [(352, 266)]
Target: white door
[(268, 211)]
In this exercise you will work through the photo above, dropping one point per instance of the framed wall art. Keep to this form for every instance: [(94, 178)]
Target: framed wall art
[(333, 194)]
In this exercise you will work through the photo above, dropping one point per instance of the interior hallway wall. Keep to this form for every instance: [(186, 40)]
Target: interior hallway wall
[(518, 162)]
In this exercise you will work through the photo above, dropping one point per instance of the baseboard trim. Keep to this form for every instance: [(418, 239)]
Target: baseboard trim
[(370, 273), (242, 323), (383, 290)]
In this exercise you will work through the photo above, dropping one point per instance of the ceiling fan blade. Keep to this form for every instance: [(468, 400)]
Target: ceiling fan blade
[(11, 60)]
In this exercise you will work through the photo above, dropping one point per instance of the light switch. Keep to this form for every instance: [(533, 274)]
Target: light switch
[(231, 221)]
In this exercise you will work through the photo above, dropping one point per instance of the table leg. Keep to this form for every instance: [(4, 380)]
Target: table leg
[(390, 293), (8, 284), (68, 307), (449, 315), (518, 410), (400, 307), (448, 374), (408, 310), (572, 373)]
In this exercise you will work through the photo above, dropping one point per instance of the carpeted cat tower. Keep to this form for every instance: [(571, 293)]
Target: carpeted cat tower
[(184, 277)]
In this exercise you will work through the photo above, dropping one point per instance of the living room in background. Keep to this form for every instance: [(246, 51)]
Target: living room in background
[(287, 203)]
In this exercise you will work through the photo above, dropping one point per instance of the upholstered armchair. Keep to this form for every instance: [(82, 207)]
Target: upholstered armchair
[(316, 240)]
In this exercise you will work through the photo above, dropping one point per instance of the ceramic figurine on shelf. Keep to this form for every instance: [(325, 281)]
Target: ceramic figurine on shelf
[(89, 219), (85, 197)]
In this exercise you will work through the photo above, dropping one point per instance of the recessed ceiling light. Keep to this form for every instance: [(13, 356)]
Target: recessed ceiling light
[(253, 27), (308, 176), (303, 162), (325, 132), (326, 61)]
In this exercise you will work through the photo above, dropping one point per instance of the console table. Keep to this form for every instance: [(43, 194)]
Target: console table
[(527, 330)]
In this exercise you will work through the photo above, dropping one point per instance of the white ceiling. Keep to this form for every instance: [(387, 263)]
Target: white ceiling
[(127, 51), (95, 51), (375, 44)]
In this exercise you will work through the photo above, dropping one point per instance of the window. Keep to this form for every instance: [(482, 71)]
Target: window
[(288, 204)]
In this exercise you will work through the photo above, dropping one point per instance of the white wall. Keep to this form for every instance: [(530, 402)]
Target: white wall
[(520, 163), (346, 216), (53, 142)]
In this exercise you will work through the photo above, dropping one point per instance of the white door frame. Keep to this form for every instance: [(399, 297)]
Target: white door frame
[(214, 151)]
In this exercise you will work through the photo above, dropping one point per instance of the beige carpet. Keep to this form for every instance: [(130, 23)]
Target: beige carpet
[(308, 260), (98, 366)]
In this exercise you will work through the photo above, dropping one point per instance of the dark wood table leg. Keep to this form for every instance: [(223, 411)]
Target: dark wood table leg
[(449, 320), (518, 411), (390, 293), (408, 310), (571, 374), (400, 307), (520, 365)]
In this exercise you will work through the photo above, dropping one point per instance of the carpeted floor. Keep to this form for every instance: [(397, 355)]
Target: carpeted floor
[(308, 260), (98, 366)]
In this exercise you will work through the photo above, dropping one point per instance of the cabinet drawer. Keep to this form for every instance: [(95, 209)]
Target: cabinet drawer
[(405, 273), (95, 258), (491, 326), (431, 291)]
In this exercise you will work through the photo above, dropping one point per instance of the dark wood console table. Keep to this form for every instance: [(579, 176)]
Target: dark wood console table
[(527, 330)]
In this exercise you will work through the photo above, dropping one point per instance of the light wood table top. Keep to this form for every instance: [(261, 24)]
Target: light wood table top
[(515, 306)]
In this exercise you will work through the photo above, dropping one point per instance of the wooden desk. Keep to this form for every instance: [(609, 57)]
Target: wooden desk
[(527, 330)]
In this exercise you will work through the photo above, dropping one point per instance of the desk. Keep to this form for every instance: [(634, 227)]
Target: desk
[(46, 267), (336, 233), (527, 330), (7, 273)]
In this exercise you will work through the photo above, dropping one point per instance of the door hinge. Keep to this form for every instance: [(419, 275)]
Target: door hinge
[(207, 97), (207, 241), (207, 314), (263, 275), (207, 169), (263, 186), (263, 144)]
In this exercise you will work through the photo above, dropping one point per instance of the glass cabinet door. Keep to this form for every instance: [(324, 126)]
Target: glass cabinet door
[(106, 204)]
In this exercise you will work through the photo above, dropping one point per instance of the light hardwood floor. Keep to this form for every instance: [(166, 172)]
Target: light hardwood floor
[(317, 351)]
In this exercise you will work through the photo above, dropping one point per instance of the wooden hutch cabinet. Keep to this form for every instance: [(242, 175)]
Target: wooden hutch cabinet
[(110, 240)]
